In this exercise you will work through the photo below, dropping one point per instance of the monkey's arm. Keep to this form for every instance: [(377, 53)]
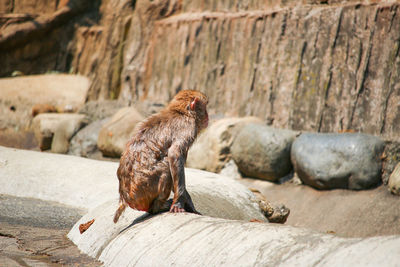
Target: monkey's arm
[(182, 201)]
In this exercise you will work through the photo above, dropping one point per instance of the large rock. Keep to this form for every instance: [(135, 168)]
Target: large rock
[(116, 133), (394, 181), (53, 130), (263, 152), (86, 183), (192, 240), (212, 149), (84, 143), (328, 161), (20, 94)]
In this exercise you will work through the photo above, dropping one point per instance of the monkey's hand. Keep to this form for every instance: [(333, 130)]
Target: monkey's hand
[(177, 208)]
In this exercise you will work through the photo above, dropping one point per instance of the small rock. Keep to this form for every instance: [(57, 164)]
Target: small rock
[(116, 133), (84, 143), (212, 149), (328, 161), (98, 110), (263, 152), (394, 181), (231, 170), (54, 130)]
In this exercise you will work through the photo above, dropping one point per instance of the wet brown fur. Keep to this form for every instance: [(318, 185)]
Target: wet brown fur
[(153, 162)]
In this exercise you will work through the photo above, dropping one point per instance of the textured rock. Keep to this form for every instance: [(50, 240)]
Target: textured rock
[(263, 152), (116, 133), (212, 149), (20, 94), (312, 67), (192, 240), (328, 161), (53, 130), (394, 181), (84, 142), (231, 170), (85, 183)]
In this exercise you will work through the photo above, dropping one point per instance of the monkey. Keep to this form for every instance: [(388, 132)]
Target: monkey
[(153, 161)]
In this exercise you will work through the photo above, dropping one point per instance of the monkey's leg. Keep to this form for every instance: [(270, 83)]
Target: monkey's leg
[(189, 206)]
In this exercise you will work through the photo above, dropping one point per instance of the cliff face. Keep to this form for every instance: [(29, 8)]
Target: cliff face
[(307, 65), (310, 67)]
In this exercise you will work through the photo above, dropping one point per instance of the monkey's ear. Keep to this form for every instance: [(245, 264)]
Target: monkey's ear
[(194, 103)]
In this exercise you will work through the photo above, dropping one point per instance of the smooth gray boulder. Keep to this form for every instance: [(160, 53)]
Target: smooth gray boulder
[(116, 133), (263, 152), (193, 240), (394, 181), (84, 143), (212, 149), (347, 160)]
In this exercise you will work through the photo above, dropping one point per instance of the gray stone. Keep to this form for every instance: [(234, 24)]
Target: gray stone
[(231, 170), (212, 149), (328, 161), (84, 143), (54, 130), (263, 152), (394, 181), (114, 135)]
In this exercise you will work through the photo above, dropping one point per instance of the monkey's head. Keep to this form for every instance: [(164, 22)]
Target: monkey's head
[(192, 103)]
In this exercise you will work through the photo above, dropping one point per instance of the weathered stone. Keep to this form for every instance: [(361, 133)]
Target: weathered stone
[(230, 169), (192, 240), (212, 149), (99, 110), (394, 181), (64, 131), (86, 184), (328, 161), (20, 95), (84, 143), (263, 152), (54, 130), (116, 133)]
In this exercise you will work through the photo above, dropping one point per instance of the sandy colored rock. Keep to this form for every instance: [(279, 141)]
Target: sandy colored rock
[(212, 149), (54, 130), (114, 134), (171, 239), (86, 183), (394, 181)]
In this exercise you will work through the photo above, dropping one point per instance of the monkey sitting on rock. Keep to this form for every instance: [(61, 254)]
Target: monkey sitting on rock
[(153, 161)]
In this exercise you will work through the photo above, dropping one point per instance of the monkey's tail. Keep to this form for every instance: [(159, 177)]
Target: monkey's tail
[(120, 210)]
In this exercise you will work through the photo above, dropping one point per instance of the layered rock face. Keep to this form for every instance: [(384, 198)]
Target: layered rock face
[(323, 66)]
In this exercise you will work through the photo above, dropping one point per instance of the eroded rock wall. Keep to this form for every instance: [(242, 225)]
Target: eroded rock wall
[(321, 68)]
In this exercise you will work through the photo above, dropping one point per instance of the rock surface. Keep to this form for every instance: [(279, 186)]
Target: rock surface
[(84, 143), (192, 240), (53, 131), (212, 149), (342, 212), (114, 135), (95, 182), (394, 181), (263, 152), (20, 94), (328, 161)]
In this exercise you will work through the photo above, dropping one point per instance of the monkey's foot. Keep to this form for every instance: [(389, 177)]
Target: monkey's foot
[(176, 208)]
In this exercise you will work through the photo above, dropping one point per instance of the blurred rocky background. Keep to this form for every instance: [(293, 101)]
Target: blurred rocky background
[(303, 94)]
